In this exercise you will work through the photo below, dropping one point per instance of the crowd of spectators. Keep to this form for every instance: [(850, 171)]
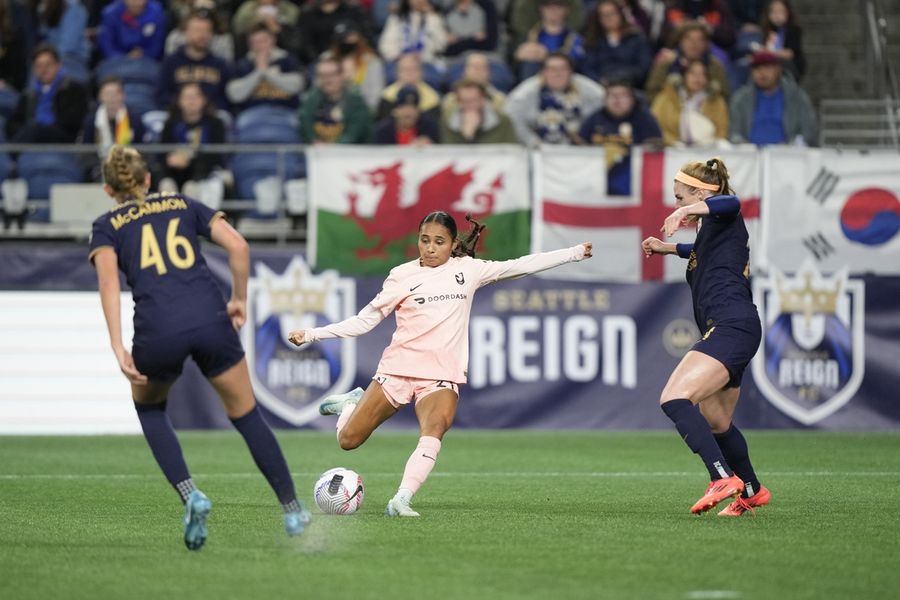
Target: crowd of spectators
[(610, 73)]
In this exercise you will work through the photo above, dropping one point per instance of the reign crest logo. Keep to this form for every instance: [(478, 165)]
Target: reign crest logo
[(812, 357), (287, 380)]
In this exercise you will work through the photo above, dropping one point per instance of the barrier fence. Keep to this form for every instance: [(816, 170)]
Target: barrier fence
[(568, 350)]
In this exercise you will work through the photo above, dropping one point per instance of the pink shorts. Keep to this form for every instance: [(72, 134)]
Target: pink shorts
[(400, 390)]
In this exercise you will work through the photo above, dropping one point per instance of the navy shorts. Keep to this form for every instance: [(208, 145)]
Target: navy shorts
[(215, 348), (733, 343)]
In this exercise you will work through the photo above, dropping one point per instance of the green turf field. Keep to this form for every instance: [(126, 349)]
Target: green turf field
[(505, 515)]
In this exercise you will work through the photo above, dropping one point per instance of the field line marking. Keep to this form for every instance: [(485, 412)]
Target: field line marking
[(508, 474)]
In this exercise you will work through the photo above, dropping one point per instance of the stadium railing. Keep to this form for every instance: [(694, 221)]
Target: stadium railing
[(860, 124), (279, 218)]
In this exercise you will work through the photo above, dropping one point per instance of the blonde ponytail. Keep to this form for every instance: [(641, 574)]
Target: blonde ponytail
[(712, 171), (124, 170)]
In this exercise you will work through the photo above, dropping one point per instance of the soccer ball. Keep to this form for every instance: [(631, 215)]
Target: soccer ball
[(339, 491)]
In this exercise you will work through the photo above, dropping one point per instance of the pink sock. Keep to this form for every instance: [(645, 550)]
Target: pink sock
[(420, 463), (344, 417)]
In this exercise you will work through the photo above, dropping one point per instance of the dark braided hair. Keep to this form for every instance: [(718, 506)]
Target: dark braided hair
[(466, 247)]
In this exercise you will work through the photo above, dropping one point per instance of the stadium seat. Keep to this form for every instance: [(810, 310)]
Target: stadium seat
[(430, 74), (44, 169), (381, 9), (250, 167), (130, 70), (75, 68), (140, 97), (267, 125), (139, 76), (154, 121), (5, 164), (8, 100), (228, 120), (501, 76)]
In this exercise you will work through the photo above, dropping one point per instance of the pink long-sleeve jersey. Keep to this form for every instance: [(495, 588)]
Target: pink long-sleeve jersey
[(433, 306)]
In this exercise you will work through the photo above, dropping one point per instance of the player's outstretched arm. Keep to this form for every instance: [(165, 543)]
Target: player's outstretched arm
[(355, 326), (653, 245), (492, 271), (225, 235), (373, 313), (107, 267)]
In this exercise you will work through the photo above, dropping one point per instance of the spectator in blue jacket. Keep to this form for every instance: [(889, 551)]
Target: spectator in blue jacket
[(550, 35), (772, 108), (624, 122), (194, 62), (52, 108), (614, 48), (133, 29)]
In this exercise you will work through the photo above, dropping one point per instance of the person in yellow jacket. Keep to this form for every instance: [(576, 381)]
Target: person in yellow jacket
[(690, 109)]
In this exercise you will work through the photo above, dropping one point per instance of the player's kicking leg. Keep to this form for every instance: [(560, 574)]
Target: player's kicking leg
[(336, 403), (359, 417)]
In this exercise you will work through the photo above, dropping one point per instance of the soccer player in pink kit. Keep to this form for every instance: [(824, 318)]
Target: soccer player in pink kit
[(427, 357)]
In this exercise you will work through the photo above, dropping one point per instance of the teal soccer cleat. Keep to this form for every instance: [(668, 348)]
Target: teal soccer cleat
[(399, 507), (334, 404), (296, 521), (196, 509)]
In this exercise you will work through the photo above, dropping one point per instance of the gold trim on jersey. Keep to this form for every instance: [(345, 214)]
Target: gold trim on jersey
[(219, 215), (96, 250)]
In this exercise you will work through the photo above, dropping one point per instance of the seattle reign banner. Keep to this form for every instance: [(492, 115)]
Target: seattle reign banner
[(544, 353)]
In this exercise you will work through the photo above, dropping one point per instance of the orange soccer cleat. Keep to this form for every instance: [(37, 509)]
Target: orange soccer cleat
[(716, 492), (742, 505)]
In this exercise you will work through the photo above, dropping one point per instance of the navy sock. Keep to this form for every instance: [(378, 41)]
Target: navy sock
[(698, 436), (734, 449), (267, 454), (163, 442)]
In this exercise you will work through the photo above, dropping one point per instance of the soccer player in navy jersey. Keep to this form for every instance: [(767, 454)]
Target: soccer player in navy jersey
[(702, 392), (179, 312)]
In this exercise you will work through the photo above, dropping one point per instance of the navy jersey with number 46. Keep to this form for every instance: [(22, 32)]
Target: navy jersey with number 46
[(158, 248)]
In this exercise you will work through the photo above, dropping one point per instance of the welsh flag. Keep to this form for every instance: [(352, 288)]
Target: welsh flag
[(572, 206), (366, 202)]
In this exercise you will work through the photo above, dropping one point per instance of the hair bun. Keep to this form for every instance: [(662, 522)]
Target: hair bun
[(711, 163)]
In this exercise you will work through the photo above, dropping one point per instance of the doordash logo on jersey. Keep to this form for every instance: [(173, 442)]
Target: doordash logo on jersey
[(440, 298)]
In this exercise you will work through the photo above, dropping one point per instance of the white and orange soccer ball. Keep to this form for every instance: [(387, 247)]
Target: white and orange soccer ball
[(339, 491)]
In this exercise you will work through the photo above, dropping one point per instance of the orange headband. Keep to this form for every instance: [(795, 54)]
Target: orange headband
[(694, 182)]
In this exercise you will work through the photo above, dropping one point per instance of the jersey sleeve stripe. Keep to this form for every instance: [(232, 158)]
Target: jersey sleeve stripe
[(219, 215), (97, 250)]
